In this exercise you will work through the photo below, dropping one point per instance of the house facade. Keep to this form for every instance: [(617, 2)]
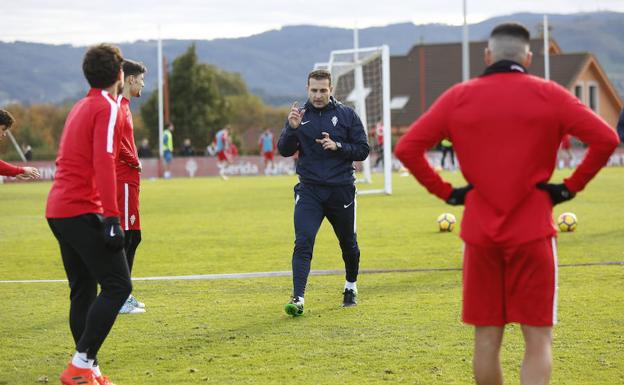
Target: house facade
[(421, 76)]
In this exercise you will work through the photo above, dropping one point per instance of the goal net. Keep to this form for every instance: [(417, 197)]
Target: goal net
[(361, 80)]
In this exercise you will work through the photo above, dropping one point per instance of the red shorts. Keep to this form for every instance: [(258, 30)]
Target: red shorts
[(221, 155), (268, 155), (128, 203), (511, 284)]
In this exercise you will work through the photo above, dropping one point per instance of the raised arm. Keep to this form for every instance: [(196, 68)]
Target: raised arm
[(423, 134)]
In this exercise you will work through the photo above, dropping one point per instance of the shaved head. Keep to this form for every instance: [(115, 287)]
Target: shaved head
[(509, 41)]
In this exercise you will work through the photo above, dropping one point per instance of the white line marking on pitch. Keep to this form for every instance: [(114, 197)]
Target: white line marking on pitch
[(262, 274), (267, 274)]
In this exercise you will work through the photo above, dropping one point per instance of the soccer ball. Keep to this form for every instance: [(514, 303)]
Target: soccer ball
[(446, 222), (567, 222)]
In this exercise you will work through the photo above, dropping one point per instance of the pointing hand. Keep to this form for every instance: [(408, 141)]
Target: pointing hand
[(295, 116), (326, 142)]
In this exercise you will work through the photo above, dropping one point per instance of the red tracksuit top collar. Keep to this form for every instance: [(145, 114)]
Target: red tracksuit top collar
[(123, 100), (101, 91)]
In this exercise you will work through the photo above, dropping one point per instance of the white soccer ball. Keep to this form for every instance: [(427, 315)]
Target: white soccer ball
[(567, 222), (446, 222)]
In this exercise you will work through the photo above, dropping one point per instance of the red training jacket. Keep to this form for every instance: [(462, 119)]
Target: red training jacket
[(506, 129), (85, 180), (7, 169), (128, 159)]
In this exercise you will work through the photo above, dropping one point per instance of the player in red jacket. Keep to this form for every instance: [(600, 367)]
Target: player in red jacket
[(129, 173), (83, 214), (7, 169), (506, 127)]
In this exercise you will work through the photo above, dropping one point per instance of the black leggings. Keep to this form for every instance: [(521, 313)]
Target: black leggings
[(132, 240), (88, 262)]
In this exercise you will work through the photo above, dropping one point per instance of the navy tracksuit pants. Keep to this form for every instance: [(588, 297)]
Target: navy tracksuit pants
[(312, 204)]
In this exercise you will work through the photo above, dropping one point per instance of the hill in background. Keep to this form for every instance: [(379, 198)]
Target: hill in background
[(274, 63)]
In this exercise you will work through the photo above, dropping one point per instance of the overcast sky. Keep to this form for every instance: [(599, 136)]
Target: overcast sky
[(81, 22)]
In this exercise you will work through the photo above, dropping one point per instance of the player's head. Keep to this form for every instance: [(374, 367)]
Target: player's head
[(6, 121), (134, 73), (319, 88), (102, 66), (509, 41), (170, 127)]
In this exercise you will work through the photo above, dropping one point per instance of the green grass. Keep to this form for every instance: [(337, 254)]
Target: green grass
[(406, 328)]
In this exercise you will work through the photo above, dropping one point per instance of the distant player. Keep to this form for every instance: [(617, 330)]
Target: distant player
[(231, 152), (267, 149), (129, 173), (379, 137), (506, 126), (144, 150), (565, 151), (168, 149), (329, 137), (447, 149), (222, 144), (7, 169), (83, 215)]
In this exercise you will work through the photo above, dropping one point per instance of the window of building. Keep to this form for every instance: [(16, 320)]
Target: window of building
[(593, 97), (398, 102), (578, 91)]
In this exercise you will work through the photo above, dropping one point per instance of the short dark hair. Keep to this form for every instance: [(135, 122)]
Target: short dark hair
[(6, 119), (512, 29), (131, 68), (101, 65), (320, 75)]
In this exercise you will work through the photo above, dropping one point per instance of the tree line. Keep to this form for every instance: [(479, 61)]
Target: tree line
[(203, 99)]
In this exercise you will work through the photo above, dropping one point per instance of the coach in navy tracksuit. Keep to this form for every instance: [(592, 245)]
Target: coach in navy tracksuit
[(329, 137)]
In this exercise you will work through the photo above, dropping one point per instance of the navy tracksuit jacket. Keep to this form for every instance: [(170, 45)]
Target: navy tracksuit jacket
[(325, 187)]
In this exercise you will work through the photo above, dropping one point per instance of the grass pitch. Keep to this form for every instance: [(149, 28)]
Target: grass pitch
[(406, 329)]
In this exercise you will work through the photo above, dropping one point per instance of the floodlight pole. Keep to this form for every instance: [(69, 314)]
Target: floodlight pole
[(465, 50), (387, 124), (359, 80), (160, 97), (546, 49), (17, 147), (360, 101)]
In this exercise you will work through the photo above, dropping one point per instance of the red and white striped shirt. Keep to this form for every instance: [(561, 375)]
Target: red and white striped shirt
[(85, 180), (128, 159)]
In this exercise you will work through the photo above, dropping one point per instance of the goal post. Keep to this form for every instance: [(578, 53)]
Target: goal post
[(361, 80)]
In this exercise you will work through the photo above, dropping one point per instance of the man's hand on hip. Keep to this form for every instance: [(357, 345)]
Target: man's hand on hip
[(458, 195), (558, 192)]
